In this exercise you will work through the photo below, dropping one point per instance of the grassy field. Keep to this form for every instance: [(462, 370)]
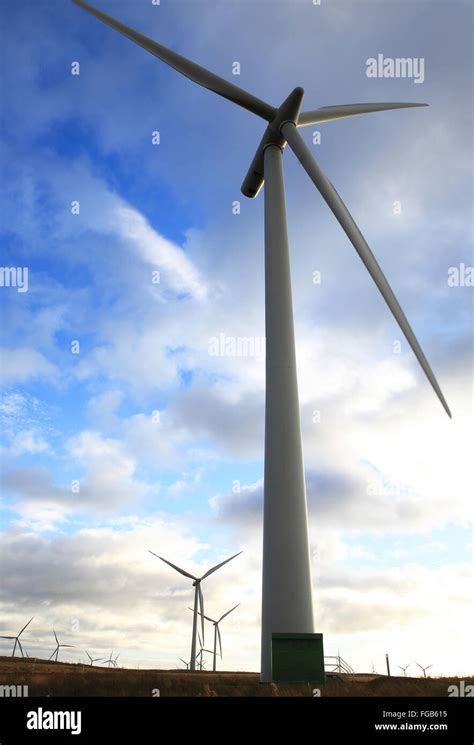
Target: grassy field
[(63, 679)]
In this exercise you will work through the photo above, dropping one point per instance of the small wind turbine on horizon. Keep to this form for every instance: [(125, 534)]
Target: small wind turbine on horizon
[(423, 668), (201, 663), (217, 635), (184, 661), (198, 598), (404, 669), (286, 552), (17, 640), (112, 661), (58, 647), (92, 660)]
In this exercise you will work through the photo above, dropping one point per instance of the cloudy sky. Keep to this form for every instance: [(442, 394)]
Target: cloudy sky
[(122, 433)]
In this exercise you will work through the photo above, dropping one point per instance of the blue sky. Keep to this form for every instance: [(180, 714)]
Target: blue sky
[(106, 374)]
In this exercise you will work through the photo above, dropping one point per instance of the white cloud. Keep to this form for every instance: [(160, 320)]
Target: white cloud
[(182, 276), (28, 441), (21, 365)]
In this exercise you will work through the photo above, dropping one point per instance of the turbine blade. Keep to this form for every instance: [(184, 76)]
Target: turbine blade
[(206, 617), (201, 605), (26, 624), (229, 611), (219, 639), (55, 636), (218, 566), (189, 69), (334, 201), (181, 571), (331, 113)]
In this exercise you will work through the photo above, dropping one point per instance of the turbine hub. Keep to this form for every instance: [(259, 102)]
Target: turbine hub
[(288, 112)]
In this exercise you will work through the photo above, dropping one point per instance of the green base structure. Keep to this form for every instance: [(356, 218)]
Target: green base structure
[(298, 658)]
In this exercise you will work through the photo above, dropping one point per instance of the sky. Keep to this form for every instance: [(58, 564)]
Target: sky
[(122, 431)]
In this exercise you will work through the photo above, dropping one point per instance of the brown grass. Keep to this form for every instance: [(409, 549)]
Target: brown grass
[(45, 678)]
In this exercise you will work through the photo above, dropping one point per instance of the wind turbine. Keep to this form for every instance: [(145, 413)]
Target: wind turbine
[(198, 599), (286, 583), (112, 661), (424, 668), (217, 635), (184, 661), (58, 646), (404, 669), (201, 663), (96, 659), (17, 640)]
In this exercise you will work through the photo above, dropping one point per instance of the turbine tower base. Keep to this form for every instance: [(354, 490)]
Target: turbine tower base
[(298, 658)]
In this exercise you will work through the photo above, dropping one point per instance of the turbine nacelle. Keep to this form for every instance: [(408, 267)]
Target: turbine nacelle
[(288, 112)]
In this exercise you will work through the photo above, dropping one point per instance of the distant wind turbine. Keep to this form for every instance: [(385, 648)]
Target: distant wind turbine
[(17, 640), (423, 668), (217, 635), (184, 661), (96, 659), (198, 599), (404, 669), (112, 661), (201, 663), (58, 647)]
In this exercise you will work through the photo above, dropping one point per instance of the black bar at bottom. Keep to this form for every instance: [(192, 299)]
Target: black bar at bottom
[(142, 720)]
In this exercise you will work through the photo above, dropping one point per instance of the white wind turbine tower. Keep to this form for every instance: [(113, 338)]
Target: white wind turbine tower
[(198, 599), (286, 553), (17, 641), (217, 635)]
